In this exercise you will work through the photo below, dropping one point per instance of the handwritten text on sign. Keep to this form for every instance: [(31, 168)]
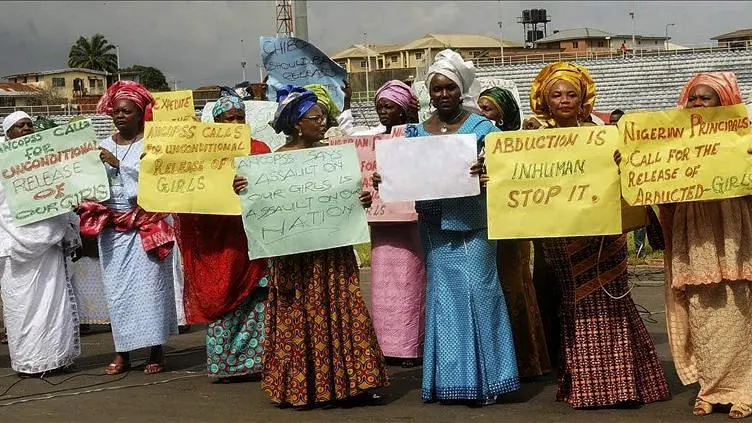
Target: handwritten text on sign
[(379, 211), (49, 173), (685, 155), (297, 62), (303, 200), (258, 114), (189, 167), (174, 106), (553, 182)]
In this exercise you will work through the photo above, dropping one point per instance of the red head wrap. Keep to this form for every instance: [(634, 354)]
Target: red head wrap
[(126, 90)]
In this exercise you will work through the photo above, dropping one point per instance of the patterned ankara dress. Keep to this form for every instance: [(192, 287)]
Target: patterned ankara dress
[(469, 350), (224, 288), (607, 356), (320, 344)]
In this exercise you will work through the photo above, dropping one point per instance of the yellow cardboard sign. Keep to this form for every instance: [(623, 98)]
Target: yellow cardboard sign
[(189, 167), (174, 106), (685, 155), (552, 183)]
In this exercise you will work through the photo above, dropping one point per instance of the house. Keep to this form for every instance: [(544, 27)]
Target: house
[(594, 40), (69, 83), (13, 94), (737, 39), (421, 52)]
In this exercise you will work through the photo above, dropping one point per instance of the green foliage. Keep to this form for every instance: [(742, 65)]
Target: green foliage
[(93, 53), (151, 78)]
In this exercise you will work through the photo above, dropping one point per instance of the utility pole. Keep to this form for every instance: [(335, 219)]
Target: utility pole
[(368, 59), (501, 34), (117, 53), (666, 42), (634, 45), (242, 59)]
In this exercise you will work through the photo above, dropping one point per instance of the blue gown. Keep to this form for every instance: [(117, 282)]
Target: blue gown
[(139, 286), (469, 350)]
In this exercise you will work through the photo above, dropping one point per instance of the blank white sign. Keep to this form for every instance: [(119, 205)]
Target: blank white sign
[(427, 168)]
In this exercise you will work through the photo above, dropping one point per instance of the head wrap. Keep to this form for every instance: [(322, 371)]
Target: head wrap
[(13, 119), (331, 109), (450, 64), (576, 75), (227, 103), (126, 90), (398, 92), (294, 103), (723, 83), (507, 105)]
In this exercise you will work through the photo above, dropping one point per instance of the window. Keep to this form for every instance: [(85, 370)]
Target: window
[(575, 44), (363, 64), (639, 43), (601, 43), (100, 84), (58, 82), (92, 84), (419, 55), (394, 58)]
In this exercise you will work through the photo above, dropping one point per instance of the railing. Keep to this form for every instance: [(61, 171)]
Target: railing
[(45, 110), (594, 55)]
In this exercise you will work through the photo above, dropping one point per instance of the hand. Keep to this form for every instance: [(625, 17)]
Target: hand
[(749, 150), (366, 199), (480, 170), (107, 157), (348, 94), (617, 157), (531, 123), (239, 184), (376, 180)]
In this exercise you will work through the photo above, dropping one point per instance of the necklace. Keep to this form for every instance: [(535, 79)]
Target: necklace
[(451, 121), (127, 150)]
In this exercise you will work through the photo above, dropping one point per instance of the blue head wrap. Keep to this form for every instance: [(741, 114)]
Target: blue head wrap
[(228, 101), (294, 103)]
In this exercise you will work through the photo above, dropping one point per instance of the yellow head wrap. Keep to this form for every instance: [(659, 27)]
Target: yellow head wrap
[(332, 111), (576, 75)]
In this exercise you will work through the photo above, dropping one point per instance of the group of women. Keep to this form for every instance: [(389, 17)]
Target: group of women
[(472, 308)]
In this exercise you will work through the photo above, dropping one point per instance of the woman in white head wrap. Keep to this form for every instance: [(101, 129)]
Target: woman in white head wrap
[(468, 351), (39, 308)]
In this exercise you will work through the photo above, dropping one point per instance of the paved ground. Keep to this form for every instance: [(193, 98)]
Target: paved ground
[(184, 394)]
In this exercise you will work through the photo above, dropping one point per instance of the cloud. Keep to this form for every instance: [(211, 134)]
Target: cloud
[(198, 43)]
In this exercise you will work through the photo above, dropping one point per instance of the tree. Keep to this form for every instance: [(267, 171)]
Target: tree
[(93, 53), (151, 78)]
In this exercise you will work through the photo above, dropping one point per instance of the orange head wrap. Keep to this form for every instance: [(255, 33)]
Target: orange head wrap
[(576, 75), (723, 83)]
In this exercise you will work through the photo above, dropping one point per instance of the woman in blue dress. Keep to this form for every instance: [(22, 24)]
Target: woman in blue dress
[(469, 351)]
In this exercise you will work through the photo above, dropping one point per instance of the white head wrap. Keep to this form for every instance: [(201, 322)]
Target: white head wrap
[(13, 119), (450, 64)]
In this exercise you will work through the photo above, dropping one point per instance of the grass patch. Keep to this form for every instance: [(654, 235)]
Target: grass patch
[(364, 254), (650, 256)]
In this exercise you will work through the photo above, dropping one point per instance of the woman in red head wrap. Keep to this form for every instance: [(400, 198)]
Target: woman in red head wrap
[(708, 272), (135, 246)]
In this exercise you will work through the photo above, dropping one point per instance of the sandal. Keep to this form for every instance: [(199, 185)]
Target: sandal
[(113, 368), (408, 363), (740, 411), (702, 407), (154, 368)]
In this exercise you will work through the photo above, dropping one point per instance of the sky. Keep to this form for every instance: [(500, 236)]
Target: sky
[(199, 43)]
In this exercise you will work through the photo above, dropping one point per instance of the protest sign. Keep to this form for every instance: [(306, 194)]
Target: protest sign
[(293, 61), (398, 131), (552, 183), (175, 106), (302, 200), (258, 114), (379, 211), (427, 168), (189, 167), (49, 173), (685, 155)]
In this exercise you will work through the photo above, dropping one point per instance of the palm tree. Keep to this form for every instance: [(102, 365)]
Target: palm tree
[(93, 53)]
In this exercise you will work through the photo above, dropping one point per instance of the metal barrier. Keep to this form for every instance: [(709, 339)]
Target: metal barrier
[(594, 55)]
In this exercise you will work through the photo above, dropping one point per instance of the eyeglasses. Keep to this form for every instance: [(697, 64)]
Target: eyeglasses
[(317, 119)]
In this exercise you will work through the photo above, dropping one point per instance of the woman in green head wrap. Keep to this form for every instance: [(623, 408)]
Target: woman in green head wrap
[(326, 102), (499, 106)]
